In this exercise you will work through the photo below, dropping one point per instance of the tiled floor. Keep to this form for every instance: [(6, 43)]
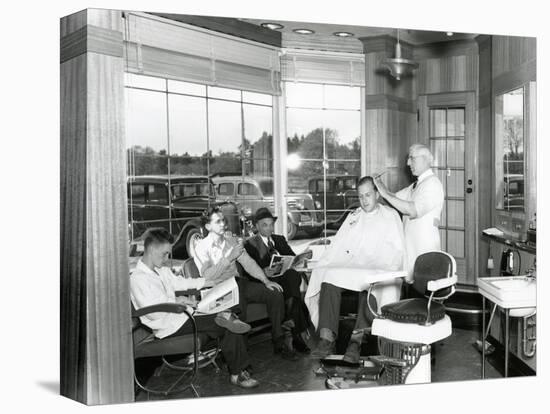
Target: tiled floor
[(456, 360)]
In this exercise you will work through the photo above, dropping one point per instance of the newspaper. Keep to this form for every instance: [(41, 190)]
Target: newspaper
[(287, 262), (219, 298)]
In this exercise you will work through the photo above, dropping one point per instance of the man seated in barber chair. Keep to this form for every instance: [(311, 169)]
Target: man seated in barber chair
[(217, 255), (261, 248), (371, 238), (152, 283)]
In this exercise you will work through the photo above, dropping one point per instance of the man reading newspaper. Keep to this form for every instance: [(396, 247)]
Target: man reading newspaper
[(152, 283)]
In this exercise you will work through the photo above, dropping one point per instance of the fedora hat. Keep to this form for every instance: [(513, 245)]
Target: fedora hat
[(262, 213)]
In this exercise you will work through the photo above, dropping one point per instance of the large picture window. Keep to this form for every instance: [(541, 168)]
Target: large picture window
[(188, 139), (323, 155)]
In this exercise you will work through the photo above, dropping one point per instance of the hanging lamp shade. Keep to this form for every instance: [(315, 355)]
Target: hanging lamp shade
[(399, 66)]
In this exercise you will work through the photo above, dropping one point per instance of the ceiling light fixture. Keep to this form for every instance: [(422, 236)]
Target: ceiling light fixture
[(303, 31), (343, 34), (399, 66), (450, 34), (272, 26)]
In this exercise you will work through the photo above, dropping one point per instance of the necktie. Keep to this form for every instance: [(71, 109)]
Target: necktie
[(415, 183), (271, 248)]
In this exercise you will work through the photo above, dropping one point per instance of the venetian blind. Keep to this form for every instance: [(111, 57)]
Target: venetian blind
[(323, 67), (157, 46)]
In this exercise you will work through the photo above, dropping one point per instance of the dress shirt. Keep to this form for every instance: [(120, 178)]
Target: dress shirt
[(212, 262), (150, 287)]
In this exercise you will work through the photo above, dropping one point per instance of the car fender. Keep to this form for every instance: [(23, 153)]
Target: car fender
[(191, 224)]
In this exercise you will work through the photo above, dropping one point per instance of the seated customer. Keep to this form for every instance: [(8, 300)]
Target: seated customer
[(371, 238), (152, 283), (261, 248), (216, 257)]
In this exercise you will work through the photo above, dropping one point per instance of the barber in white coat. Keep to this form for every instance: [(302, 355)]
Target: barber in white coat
[(420, 203)]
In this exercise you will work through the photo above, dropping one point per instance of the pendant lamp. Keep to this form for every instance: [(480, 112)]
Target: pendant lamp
[(399, 66)]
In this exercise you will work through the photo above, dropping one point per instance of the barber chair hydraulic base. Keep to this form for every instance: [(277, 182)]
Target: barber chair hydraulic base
[(404, 363)]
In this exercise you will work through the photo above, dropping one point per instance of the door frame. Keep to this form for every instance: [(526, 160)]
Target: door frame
[(467, 100)]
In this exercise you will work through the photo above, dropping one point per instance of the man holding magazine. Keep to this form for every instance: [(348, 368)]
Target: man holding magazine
[(152, 283), (262, 247)]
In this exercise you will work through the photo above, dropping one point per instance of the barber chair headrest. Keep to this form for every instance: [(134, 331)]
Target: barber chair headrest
[(432, 266)]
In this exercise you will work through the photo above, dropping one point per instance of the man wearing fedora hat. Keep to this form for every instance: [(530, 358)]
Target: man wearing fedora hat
[(261, 248)]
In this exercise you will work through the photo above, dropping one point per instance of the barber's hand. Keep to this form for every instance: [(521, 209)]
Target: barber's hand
[(273, 286), (235, 252), (382, 189)]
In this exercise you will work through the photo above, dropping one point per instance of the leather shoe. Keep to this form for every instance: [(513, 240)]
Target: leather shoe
[(353, 353), (324, 348), (231, 322), (244, 380), (299, 345), (281, 347)]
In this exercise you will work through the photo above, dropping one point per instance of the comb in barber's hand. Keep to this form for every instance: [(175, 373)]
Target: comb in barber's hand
[(381, 174)]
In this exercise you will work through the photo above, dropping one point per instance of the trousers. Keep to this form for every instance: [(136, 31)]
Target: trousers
[(232, 346), (329, 309), (296, 309), (252, 291)]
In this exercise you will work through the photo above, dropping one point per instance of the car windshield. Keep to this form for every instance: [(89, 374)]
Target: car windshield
[(192, 190), (267, 187)]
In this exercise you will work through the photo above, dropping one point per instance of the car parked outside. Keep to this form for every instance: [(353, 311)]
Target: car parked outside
[(253, 192), (341, 196), (176, 203)]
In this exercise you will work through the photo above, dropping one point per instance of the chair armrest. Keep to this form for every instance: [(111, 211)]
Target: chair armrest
[(438, 284), (163, 307)]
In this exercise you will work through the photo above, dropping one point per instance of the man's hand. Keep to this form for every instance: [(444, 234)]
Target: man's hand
[(273, 286), (382, 189), (275, 270), (209, 282), (235, 252)]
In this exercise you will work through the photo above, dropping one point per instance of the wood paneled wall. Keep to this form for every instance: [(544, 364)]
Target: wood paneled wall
[(96, 347), (447, 67), (485, 162), (73, 229), (391, 119)]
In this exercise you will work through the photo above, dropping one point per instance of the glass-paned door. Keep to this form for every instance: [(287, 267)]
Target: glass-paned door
[(446, 140)]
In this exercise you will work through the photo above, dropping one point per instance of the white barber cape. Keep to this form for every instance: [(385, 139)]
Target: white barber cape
[(367, 244)]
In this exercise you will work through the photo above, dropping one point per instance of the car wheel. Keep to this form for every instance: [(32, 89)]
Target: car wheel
[(291, 230), (191, 240)]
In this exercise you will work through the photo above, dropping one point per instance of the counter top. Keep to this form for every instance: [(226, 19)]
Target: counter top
[(510, 241)]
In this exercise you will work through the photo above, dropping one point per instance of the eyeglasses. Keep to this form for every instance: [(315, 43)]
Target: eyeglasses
[(412, 157)]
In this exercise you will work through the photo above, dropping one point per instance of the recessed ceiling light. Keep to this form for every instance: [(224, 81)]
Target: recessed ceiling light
[(450, 33), (303, 31), (343, 34), (272, 26)]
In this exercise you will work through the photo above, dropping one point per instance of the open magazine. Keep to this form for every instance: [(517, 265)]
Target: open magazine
[(287, 262), (219, 298)]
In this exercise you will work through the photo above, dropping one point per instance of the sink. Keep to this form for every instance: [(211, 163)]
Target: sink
[(517, 293)]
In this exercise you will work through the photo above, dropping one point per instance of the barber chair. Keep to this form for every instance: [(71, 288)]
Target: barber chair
[(407, 328)]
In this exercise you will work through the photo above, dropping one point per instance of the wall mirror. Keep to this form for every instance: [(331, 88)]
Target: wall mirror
[(509, 150)]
